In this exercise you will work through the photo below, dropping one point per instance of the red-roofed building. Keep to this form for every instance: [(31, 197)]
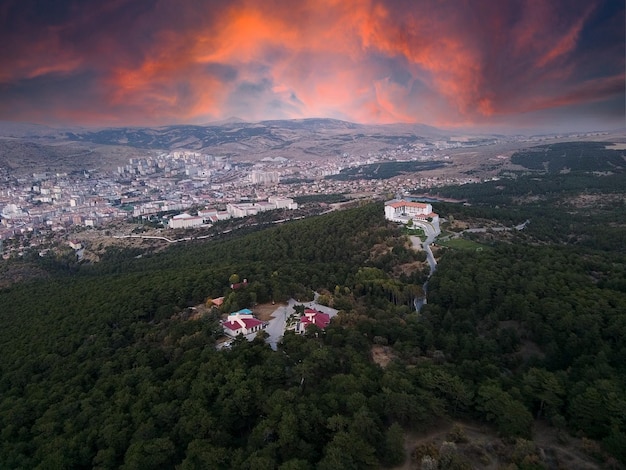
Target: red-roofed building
[(403, 211), (218, 301), (239, 285), (242, 323), (312, 317)]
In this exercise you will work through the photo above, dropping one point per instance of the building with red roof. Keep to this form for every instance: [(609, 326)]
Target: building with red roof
[(403, 211), (312, 317), (242, 323)]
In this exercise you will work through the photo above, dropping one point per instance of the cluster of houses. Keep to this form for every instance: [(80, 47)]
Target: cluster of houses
[(243, 322)]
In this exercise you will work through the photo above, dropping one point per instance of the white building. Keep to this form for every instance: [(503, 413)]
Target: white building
[(264, 177), (403, 211), (242, 322), (244, 209), (185, 221), (283, 202)]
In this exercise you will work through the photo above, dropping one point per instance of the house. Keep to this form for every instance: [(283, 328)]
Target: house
[(239, 285), (312, 317), (242, 322), (75, 244)]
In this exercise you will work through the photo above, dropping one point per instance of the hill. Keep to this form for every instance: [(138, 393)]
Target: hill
[(108, 366)]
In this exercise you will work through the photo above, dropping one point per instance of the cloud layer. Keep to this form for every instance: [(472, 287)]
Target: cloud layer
[(523, 63)]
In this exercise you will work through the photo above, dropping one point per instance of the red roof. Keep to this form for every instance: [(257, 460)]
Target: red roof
[(248, 323), (232, 325), (319, 319), (251, 322), (399, 204)]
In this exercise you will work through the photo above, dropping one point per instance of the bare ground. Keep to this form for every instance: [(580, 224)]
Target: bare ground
[(264, 311), (480, 447), (382, 355)]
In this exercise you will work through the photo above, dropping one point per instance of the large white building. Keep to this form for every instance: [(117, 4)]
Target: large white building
[(185, 221), (264, 177), (403, 211), (244, 209), (283, 202)]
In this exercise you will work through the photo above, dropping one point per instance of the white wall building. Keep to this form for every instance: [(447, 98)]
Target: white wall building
[(242, 322), (403, 211), (264, 177), (283, 202), (185, 221), (244, 209)]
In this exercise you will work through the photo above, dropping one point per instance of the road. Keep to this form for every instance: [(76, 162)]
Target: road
[(418, 244), (276, 326), (432, 263)]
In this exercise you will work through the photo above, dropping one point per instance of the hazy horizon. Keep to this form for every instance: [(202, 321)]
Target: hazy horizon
[(484, 67)]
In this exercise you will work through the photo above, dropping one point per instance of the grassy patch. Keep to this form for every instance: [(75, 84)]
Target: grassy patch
[(415, 231), (463, 244)]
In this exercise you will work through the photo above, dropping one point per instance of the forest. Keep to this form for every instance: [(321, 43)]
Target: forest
[(383, 170), (105, 366), (571, 156)]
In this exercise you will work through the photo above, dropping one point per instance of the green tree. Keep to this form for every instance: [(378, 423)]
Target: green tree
[(511, 417)]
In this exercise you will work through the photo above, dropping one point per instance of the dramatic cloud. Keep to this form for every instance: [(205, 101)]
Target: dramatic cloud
[(445, 63)]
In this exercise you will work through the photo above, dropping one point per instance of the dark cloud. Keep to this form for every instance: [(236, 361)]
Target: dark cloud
[(466, 63)]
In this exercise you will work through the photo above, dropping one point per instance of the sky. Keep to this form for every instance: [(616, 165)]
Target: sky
[(511, 65)]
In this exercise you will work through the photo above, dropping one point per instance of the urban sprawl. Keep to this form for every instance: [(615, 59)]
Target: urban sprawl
[(180, 190)]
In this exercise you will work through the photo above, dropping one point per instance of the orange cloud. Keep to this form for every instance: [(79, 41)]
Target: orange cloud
[(360, 60)]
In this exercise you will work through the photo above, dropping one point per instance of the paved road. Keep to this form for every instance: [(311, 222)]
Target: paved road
[(417, 244), (276, 326), (432, 263)]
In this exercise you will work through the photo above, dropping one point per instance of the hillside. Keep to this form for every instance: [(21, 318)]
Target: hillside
[(106, 366)]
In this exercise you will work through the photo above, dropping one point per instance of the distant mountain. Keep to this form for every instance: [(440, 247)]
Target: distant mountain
[(291, 139), (323, 137), (316, 124), (25, 129), (222, 122)]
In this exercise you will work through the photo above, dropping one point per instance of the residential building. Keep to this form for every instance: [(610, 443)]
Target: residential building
[(312, 317), (242, 322)]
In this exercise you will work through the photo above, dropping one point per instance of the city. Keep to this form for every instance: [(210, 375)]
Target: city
[(48, 208)]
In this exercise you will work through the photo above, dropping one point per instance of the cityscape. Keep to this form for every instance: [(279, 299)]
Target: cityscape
[(183, 189)]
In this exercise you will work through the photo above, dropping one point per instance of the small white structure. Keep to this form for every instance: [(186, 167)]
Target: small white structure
[(75, 244)]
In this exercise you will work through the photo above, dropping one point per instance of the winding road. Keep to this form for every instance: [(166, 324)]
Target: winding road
[(432, 263)]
